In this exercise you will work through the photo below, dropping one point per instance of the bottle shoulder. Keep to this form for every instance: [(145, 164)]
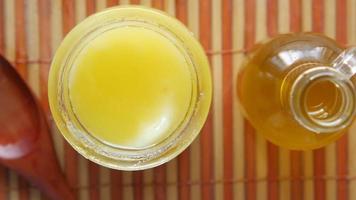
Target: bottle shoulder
[(282, 52)]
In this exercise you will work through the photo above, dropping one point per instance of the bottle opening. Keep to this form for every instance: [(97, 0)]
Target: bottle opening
[(323, 100)]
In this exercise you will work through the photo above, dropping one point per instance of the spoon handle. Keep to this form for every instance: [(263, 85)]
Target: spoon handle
[(49, 175)]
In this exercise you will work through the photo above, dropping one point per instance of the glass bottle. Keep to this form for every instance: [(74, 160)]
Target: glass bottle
[(298, 90)]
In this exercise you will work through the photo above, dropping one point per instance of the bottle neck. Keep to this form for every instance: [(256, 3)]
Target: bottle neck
[(319, 98)]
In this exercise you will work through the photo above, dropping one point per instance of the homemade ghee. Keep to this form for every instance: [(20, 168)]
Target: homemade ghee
[(130, 88)]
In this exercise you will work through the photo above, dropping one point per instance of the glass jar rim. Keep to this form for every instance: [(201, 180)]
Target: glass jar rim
[(129, 159)]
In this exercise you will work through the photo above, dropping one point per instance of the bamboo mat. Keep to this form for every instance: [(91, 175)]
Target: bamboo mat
[(228, 160)]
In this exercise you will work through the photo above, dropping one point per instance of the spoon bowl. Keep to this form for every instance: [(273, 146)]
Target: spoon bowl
[(25, 141)]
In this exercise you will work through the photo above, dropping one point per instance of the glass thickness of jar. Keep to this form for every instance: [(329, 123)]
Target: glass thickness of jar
[(101, 151), (274, 90)]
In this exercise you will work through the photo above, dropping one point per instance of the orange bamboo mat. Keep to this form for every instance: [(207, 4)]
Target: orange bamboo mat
[(228, 160)]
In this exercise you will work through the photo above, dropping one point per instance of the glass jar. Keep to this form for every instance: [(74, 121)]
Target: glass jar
[(298, 90), (75, 127)]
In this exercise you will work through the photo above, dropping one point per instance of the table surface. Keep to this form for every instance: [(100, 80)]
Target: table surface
[(228, 159)]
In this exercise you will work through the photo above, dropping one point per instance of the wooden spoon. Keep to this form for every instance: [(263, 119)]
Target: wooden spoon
[(25, 141)]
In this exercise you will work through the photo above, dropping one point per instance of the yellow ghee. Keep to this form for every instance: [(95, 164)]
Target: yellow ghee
[(130, 87)]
